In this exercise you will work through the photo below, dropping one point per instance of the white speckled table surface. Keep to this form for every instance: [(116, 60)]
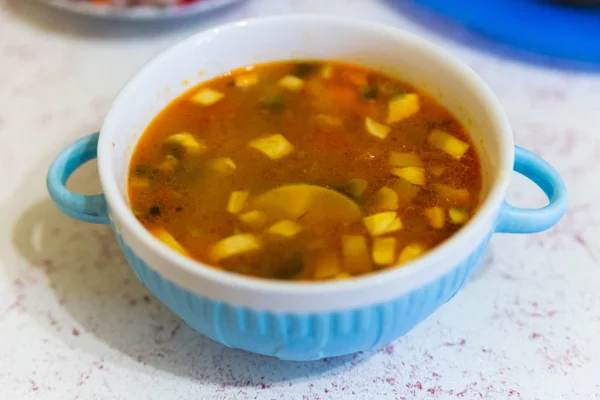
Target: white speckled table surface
[(76, 323)]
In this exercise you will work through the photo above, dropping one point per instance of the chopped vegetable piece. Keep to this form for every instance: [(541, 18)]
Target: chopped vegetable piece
[(390, 88), (168, 165), (223, 165), (359, 78), (184, 143), (447, 143), (139, 183), (291, 267), (398, 159), (309, 203), (304, 69), (285, 228), (273, 102), (326, 71), (154, 211), (237, 200), (291, 82), (383, 223), (453, 195), (355, 187), (207, 97), (405, 190), (410, 252), (275, 146), (244, 81), (327, 265), (458, 216), (356, 254), (142, 170), (235, 245), (164, 236), (376, 129), (254, 219), (437, 170), (341, 96), (384, 250), (386, 199), (436, 216), (414, 175), (402, 106), (368, 93)]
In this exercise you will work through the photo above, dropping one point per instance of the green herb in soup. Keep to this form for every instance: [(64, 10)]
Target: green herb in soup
[(304, 171)]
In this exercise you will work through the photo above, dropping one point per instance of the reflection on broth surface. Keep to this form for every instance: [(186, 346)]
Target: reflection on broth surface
[(304, 171)]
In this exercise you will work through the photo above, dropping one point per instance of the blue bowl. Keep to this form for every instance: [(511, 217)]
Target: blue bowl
[(306, 321)]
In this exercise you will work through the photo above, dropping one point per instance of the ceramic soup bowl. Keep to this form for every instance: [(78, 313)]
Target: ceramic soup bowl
[(306, 321)]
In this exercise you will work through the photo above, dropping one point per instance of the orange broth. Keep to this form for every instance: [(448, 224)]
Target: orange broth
[(304, 171)]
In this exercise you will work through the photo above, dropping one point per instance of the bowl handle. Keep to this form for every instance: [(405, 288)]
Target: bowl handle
[(522, 220), (88, 208)]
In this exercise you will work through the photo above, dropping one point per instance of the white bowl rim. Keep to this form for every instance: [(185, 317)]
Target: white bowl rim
[(425, 269)]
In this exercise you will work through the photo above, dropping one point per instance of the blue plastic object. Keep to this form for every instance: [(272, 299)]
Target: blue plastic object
[(538, 26), (309, 336)]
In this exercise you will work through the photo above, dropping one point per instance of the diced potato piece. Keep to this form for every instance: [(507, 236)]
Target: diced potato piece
[(437, 170), (286, 228), (223, 165), (291, 82), (384, 250), (207, 97), (447, 143), (376, 129), (246, 80), (383, 223), (167, 166), (458, 216), (410, 252), (398, 159), (327, 265), (237, 201), (186, 142), (326, 71), (235, 245), (356, 254), (274, 146), (402, 106), (436, 216), (386, 199), (453, 195), (414, 175), (312, 203), (355, 187), (164, 236), (405, 190), (139, 183), (254, 219)]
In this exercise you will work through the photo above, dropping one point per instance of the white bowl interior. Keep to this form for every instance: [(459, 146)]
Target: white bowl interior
[(401, 55), (223, 50)]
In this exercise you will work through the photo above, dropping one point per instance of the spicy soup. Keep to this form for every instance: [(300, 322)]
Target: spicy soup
[(304, 171)]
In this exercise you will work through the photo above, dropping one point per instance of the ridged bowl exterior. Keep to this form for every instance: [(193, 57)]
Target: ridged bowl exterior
[(305, 336)]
